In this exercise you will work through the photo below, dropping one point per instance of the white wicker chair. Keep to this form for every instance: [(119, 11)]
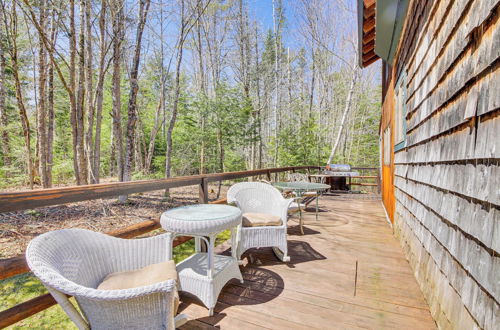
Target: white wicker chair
[(74, 261), (261, 198)]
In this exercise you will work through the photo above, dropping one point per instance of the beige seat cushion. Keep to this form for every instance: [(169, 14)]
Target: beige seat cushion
[(148, 275), (260, 219)]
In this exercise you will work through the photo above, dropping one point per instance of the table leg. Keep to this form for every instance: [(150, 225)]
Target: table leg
[(171, 250), (301, 221), (211, 241), (317, 201), (197, 244), (234, 243)]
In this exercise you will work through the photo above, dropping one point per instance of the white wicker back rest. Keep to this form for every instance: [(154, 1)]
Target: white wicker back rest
[(75, 261), (256, 197)]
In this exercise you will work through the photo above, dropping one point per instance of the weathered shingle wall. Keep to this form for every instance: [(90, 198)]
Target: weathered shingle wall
[(447, 179)]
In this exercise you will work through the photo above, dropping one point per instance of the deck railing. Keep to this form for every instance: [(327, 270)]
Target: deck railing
[(25, 200)]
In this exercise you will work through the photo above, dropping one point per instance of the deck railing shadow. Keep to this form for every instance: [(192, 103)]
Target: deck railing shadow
[(299, 252), (45, 198), (260, 286), (294, 229)]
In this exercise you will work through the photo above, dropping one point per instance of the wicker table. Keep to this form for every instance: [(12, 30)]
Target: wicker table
[(204, 274), (300, 188)]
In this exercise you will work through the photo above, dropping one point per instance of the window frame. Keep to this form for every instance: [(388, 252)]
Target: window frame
[(400, 95)]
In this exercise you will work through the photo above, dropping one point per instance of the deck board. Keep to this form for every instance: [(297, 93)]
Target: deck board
[(321, 287)]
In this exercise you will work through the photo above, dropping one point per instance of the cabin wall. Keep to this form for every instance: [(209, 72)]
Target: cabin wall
[(388, 169), (447, 178)]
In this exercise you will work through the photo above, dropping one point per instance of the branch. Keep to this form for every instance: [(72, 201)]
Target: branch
[(47, 45)]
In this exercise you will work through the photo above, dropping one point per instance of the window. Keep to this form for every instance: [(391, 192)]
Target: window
[(387, 146), (400, 113)]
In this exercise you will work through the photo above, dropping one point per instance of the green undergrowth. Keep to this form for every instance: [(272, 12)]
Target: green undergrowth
[(21, 288)]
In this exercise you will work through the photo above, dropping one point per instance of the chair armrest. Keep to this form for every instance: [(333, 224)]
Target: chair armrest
[(72, 289), (284, 205)]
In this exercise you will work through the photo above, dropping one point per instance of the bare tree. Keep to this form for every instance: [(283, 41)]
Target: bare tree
[(177, 88), (80, 99), (159, 120), (89, 96), (96, 158), (134, 87), (11, 30), (277, 26), (42, 98), (117, 140), (186, 24), (50, 98), (354, 76), (3, 110)]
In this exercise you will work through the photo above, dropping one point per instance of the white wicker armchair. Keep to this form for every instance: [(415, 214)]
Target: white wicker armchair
[(258, 197), (74, 261)]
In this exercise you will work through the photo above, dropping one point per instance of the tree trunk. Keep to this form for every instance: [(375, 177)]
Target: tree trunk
[(50, 101), (221, 158), (346, 111), (277, 19), (89, 93), (177, 89), (42, 99), (201, 69), (19, 96), (72, 83), (154, 131), (313, 82), (259, 103), (80, 100), (134, 88), (69, 87), (3, 110), (117, 13), (160, 109), (99, 93)]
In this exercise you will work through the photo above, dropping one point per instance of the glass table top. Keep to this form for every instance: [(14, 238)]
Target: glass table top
[(301, 185), (202, 212)]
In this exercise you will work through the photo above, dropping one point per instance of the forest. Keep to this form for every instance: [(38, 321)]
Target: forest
[(94, 90)]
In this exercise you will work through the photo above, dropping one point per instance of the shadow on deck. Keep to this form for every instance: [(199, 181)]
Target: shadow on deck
[(347, 271)]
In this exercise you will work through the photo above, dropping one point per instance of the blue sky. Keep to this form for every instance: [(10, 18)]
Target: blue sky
[(262, 11)]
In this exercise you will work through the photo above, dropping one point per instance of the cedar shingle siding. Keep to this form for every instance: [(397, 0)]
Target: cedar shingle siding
[(447, 178)]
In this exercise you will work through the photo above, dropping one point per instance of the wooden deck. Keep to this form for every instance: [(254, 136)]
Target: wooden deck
[(346, 272)]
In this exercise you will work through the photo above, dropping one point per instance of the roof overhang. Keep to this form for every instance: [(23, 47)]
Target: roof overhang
[(380, 23), (366, 32)]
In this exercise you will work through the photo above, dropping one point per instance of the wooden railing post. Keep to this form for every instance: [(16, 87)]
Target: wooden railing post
[(16, 201), (203, 191)]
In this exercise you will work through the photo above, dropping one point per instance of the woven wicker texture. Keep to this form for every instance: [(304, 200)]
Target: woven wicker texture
[(74, 262), (200, 219), (258, 197), (194, 279)]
